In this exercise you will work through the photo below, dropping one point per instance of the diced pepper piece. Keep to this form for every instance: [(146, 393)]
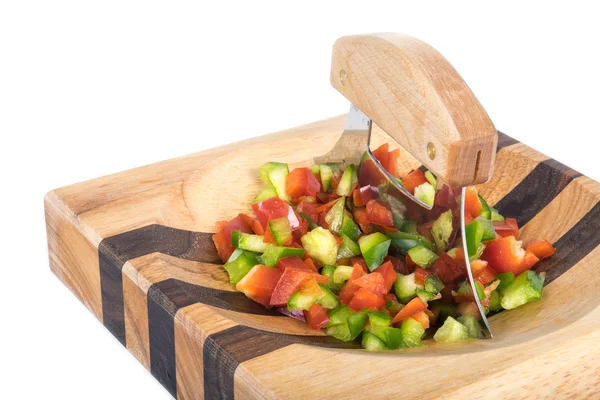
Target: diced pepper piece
[(422, 318), (335, 215), (505, 279), (414, 179), (290, 282), (379, 213), (370, 174), (302, 182), (486, 211), (392, 162), (360, 216), (329, 300), (487, 227), (280, 230), (347, 181), (411, 308), (473, 205), (316, 316), (420, 275), (253, 223), (426, 193), (412, 332), (389, 274), (374, 248), (239, 264), (364, 194), (448, 269), (294, 262), (381, 154), (474, 235), (272, 254), (371, 342), (404, 241), (485, 275), (309, 209), (275, 174), (540, 248), (348, 291), (349, 227), (364, 298), (260, 283), (433, 284), (422, 256), (320, 244), (505, 254), (495, 301), (495, 215), (405, 287), (356, 323), (526, 287), (348, 248), (451, 331), (272, 208), (379, 319), (507, 228), (222, 238), (373, 282), (441, 231)]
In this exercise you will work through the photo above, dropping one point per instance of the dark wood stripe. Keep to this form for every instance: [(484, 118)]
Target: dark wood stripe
[(581, 239), (536, 191), (504, 141), (115, 251)]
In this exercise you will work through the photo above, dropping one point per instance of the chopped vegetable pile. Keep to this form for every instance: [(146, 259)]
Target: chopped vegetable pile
[(332, 245)]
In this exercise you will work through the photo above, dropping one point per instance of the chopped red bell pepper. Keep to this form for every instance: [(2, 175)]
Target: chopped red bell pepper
[(420, 275), (259, 284), (507, 228), (506, 254), (363, 195), (309, 209), (473, 205), (389, 274), (360, 216), (485, 275), (448, 269), (347, 292), (422, 318), (222, 238), (413, 307), (302, 182), (360, 261), (392, 163), (316, 316), (379, 213), (294, 262), (272, 208), (254, 224), (398, 265), (364, 298), (541, 248), (290, 282), (413, 179), (369, 174), (373, 282)]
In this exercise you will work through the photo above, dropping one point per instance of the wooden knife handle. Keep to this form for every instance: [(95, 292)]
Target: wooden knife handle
[(413, 93)]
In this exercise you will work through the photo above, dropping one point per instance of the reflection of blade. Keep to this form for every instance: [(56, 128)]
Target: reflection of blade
[(468, 263)]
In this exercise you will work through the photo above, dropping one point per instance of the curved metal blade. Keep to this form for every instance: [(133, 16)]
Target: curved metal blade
[(468, 263)]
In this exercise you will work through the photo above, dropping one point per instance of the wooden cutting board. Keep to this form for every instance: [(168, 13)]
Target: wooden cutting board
[(136, 249)]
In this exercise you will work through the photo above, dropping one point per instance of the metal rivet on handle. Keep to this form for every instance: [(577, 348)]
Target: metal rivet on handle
[(343, 76), (431, 150)]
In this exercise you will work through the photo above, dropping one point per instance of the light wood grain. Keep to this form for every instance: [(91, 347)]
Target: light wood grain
[(555, 333), (417, 97)]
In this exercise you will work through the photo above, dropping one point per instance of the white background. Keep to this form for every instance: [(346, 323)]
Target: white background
[(91, 88)]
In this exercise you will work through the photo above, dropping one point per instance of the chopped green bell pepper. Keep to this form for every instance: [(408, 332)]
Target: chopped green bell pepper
[(272, 254), (275, 174), (335, 215), (348, 248), (239, 264), (422, 256), (526, 287), (246, 241), (374, 248), (405, 287), (348, 179), (412, 332), (441, 230), (349, 227), (451, 331)]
